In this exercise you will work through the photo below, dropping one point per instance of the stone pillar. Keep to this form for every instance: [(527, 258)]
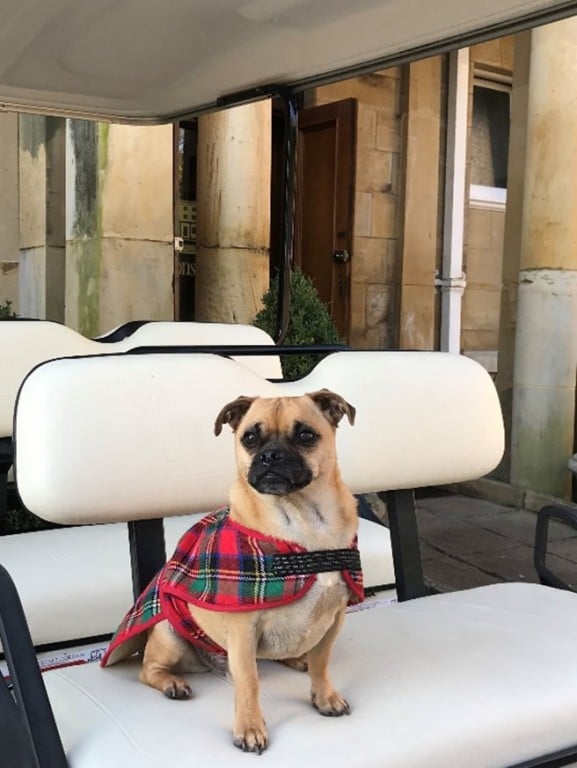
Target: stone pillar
[(41, 199), (9, 239), (420, 241), (512, 240), (546, 340), (55, 218), (233, 213), (119, 225)]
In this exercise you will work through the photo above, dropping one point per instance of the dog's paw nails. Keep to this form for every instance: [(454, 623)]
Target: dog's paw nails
[(178, 689), (252, 740), (331, 706)]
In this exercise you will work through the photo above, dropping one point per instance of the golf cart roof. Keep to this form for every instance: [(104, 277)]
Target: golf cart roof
[(160, 60)]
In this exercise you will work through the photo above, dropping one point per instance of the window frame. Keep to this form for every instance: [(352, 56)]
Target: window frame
[(480, 195)]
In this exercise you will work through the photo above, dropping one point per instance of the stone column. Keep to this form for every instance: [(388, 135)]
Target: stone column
[(42, 211), (9, 238), (119, 225), (546, 339), (233, 213), (512, 240), (420, 218)]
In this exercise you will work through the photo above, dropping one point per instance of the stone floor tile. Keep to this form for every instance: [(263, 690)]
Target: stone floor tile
[(428, 552), (447, 574), (507, 564), (566, 548), (462, 507), (456, 537), (516, 525)]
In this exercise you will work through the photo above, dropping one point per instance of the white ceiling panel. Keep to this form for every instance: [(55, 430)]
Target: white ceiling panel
[(156, 60)]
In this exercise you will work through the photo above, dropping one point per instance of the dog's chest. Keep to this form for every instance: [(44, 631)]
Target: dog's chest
[(294, 629)]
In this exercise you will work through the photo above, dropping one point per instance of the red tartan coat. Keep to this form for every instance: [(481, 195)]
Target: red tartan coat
[(221, 565)]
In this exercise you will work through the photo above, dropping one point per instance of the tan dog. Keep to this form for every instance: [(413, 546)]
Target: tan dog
[(289, 489)]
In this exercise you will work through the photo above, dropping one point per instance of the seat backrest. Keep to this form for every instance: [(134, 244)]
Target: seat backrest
[(26, 343), (162, 334), (123, 437)]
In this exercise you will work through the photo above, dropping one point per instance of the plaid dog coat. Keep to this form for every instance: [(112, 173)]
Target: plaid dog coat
[(221, 565)]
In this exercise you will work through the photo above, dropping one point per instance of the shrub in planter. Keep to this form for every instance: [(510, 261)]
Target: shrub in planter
[(309, 323), (6, 312)]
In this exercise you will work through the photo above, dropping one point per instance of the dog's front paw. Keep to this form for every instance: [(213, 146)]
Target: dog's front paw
[(252, 739), (177, 689), (331, 704)]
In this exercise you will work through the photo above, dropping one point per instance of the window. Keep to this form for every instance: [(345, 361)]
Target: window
[(490, 140)]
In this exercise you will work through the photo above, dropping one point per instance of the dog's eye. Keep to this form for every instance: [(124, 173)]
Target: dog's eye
[(249, 439), (307, 437)]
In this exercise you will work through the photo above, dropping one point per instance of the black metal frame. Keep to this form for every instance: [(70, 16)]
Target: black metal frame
[(147, 552), (241, 350), (401, 511), (122, 332), (6, 460), (290, 104), (558, 759), (544, 516), (28, 736)]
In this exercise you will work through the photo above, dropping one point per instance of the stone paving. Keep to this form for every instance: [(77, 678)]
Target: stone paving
[(468, 542)]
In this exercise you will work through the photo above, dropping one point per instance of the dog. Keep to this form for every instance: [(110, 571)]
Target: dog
[(286, 568)]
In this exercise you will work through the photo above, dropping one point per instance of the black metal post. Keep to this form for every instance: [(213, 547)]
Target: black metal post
[(6, 459), (290, 104), (147, 551), (32, 740), (405, 544)]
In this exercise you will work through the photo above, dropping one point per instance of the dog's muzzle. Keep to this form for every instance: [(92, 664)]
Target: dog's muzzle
[(276, 471)]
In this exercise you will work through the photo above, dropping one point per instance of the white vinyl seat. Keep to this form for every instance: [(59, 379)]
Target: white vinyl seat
[(474, 679)]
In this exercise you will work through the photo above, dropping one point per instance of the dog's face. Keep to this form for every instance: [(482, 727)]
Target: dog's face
[(283, 444)]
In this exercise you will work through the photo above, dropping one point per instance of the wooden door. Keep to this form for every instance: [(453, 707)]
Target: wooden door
[(325, 203)]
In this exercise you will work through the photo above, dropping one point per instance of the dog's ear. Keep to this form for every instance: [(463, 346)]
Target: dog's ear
[(333, 406), (232, 413)]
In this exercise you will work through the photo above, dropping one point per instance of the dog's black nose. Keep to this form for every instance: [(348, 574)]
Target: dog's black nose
[(271, 456)]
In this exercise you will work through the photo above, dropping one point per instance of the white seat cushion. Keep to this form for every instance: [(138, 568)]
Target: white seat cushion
[(484, 679), (75, 583)]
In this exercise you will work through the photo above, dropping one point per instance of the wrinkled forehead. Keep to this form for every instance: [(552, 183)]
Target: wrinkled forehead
[(280, 414)]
